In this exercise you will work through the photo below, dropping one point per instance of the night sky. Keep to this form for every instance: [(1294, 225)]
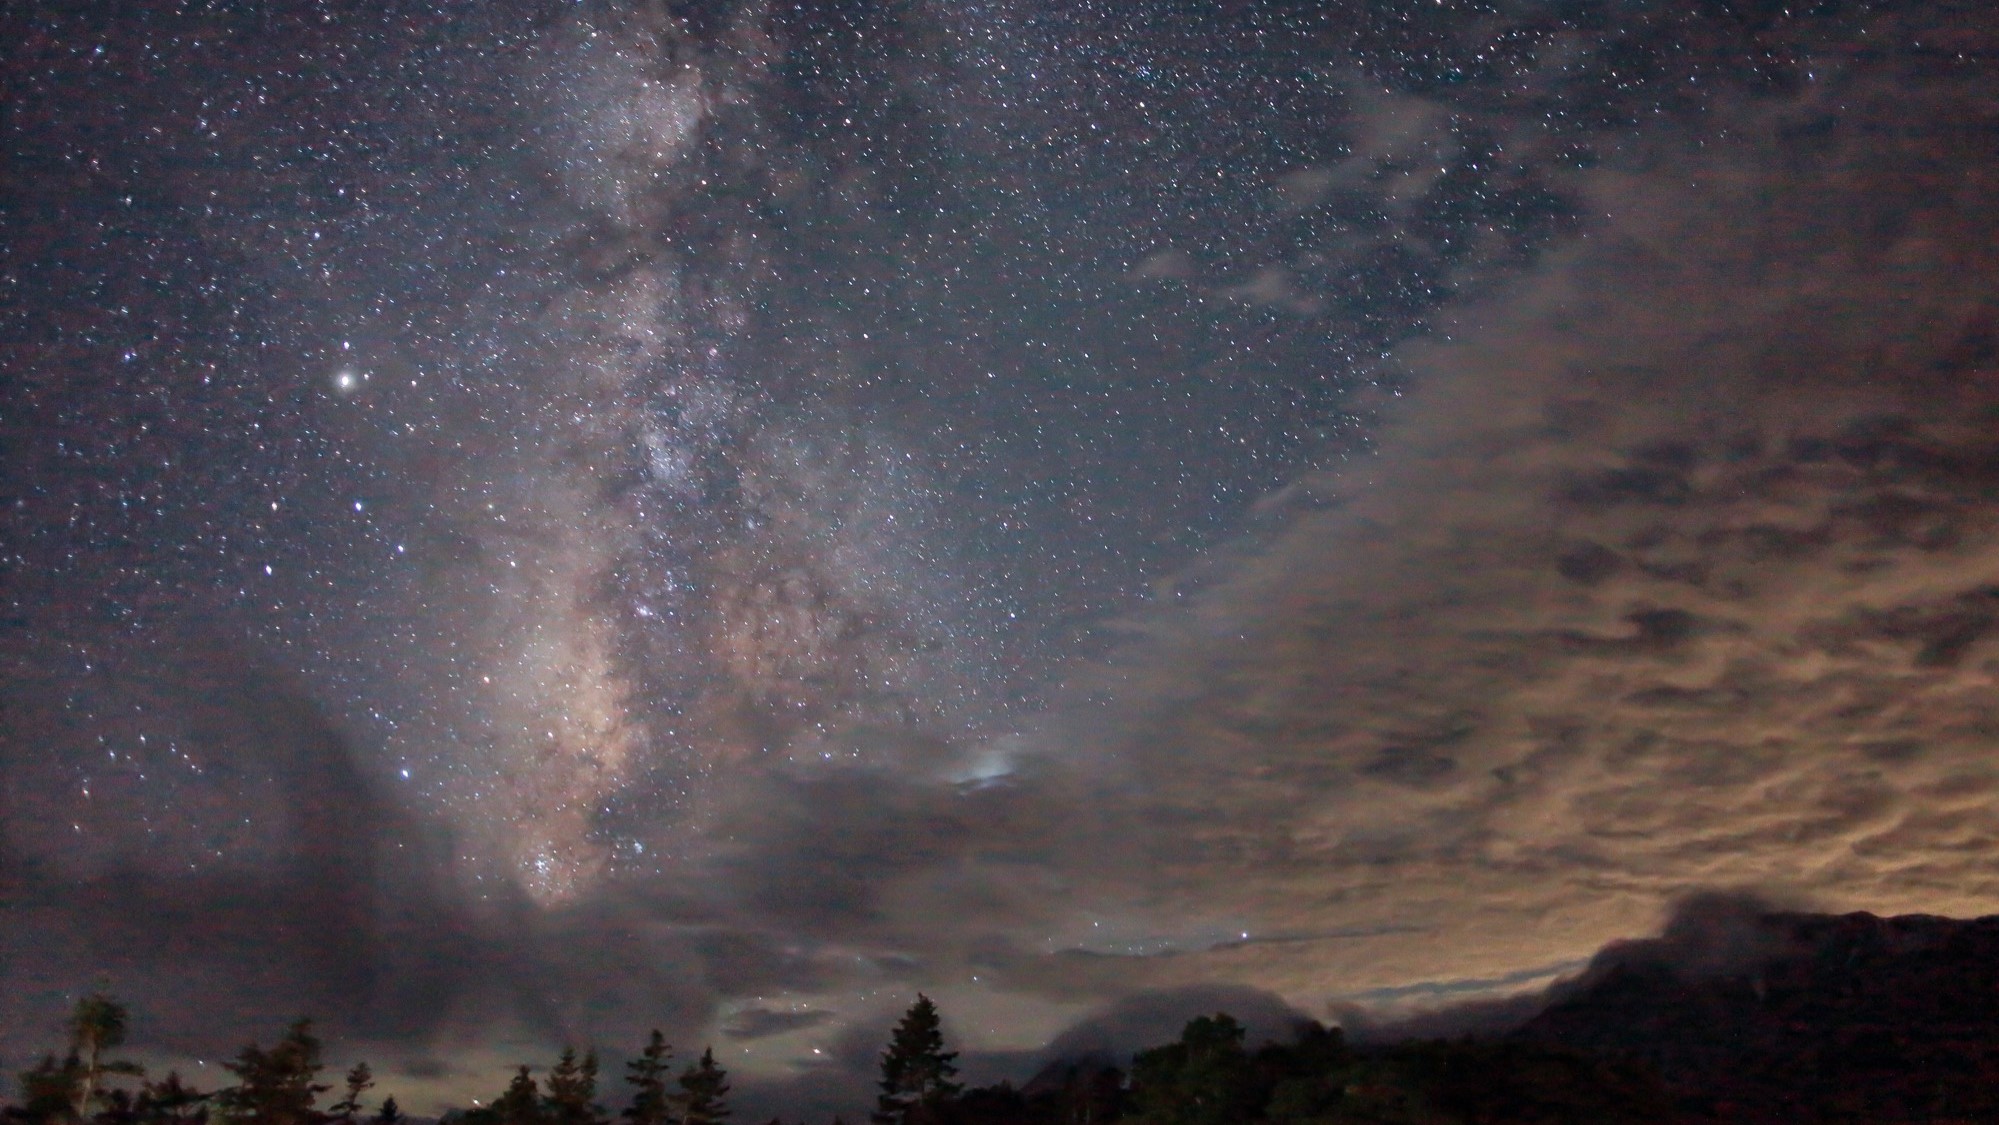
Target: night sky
[(530, 521)]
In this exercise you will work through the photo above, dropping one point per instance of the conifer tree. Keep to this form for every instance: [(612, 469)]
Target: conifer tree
[(389, 1114), (521, 1104), (647, 1074), (97, 1025), (572, 1089), (48, 1090), (359, 1079), (703, 1088), (276, 1087), (171, 1100), (118, 1108), (916, 1076)]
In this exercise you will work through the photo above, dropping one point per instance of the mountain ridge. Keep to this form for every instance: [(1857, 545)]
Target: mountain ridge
[(1765, 1015)]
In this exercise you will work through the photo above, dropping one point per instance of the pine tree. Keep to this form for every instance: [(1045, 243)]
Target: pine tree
[(389, 1114), (703, 1088), (97, 1025), (647, 1074), (521, 1104), (572, 1090), (48, 1090), (276, 1087), (359, 1080), (916, 1077), (117, 1108), (171, 1100)]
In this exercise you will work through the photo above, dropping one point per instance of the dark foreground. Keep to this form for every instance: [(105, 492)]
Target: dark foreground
[(1733, 1015)]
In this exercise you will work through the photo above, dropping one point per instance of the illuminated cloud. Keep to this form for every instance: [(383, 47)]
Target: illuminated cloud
[(1676, 570)]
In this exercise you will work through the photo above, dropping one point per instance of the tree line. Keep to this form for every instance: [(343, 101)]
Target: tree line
[(1209, 1076), (280, 1085)]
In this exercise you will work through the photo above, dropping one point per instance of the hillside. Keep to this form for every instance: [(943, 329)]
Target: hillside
[(1793, 1017)]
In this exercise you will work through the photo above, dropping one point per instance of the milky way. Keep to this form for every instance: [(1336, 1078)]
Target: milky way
[(544, 522)]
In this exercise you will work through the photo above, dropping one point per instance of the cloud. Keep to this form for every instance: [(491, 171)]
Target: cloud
[(1674, 570), (758, 1023), (257, 861)]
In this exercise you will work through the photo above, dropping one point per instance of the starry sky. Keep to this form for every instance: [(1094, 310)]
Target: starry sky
[(527, 522)]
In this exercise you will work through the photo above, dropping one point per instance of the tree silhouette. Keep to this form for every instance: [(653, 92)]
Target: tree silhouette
[(916, 1076), (572, 1090), (97, 1025), (389, 1114), (703, 1086), (359, 1079), (171, 1100), (521, 1104), (647, 1074), (1204, 1079), (48, 1090), (276, 1087)]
